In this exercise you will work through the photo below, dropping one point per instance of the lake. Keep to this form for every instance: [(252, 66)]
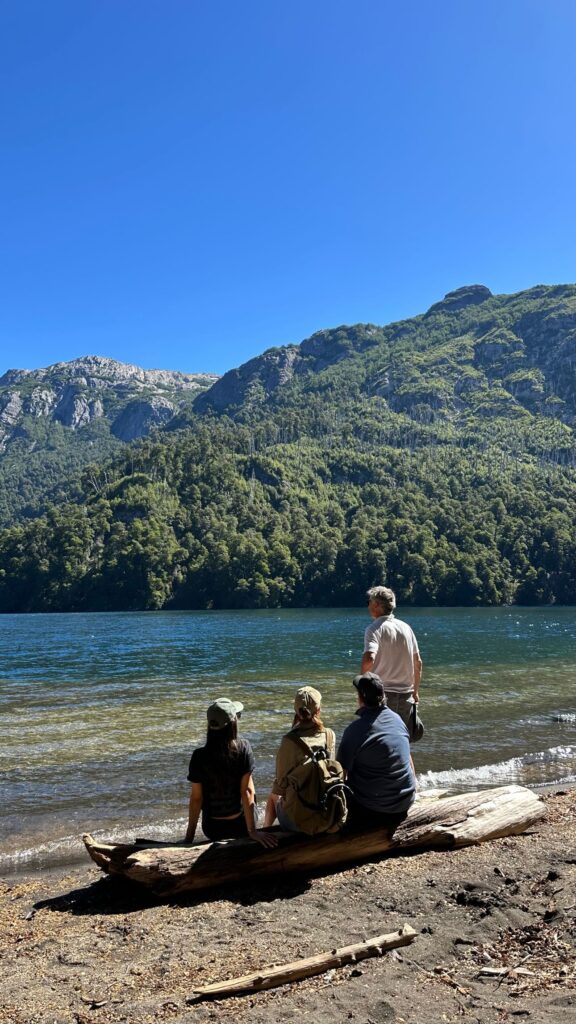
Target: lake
[(100, 712)]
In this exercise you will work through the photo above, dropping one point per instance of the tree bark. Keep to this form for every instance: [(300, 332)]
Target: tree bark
[(431, 824), (283, 974)]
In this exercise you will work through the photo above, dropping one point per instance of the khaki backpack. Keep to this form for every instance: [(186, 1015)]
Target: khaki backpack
[(315, 798)]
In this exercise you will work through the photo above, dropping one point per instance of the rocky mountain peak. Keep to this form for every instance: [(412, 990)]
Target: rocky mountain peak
[(469, 295), (91, 371), (132, 400)]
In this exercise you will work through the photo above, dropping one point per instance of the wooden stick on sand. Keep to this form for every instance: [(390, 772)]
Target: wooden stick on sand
[(272, 977)]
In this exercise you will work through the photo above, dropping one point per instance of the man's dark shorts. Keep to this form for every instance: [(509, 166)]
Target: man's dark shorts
[(401, 703), (361, 818)]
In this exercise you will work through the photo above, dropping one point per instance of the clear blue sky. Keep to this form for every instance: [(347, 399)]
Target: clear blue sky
[(186, 183)]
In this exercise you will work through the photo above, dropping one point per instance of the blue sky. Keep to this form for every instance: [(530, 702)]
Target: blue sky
[(185, 184)]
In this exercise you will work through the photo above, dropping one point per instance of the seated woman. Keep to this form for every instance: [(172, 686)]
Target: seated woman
[(222, 783), (307, 726)]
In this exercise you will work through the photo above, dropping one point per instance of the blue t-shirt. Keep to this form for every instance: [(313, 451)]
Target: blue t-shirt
[(375, 751), (220, 778)]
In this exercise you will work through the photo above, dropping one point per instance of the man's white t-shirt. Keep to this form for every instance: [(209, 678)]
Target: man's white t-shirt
[(393, 645)]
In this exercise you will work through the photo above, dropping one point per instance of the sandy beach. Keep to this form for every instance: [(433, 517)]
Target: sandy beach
[(78, 947)]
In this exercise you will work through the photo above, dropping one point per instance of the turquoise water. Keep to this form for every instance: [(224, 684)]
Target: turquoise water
[(99, 713)]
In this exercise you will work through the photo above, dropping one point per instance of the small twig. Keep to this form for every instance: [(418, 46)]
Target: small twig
[(511, 970)]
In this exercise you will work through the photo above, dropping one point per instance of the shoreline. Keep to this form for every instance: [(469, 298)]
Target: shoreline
[(76, 863), (81, 946), (105, 718)]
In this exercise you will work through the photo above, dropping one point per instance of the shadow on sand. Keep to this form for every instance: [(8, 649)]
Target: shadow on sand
[(119, 895)]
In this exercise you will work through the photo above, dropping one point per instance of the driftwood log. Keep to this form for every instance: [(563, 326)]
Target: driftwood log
[(431, 824), (283, 974)]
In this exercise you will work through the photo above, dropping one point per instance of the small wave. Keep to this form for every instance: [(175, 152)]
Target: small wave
[(566, 780), (560, 717), (531, 768), (68, 851)]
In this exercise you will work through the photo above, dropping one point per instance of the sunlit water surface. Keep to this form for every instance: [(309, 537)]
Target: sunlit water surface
[(99, 713)]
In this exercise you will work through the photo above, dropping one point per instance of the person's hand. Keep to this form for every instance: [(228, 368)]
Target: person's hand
[(415, 698), (266, 839)]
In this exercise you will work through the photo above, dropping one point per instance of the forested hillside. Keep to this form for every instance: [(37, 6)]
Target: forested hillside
[(437, 454), (471, 360)]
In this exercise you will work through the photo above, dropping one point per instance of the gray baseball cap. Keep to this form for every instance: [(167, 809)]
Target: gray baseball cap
[(222, 712)]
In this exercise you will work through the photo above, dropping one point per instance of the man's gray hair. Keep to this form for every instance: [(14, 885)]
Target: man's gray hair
[(383, 596)]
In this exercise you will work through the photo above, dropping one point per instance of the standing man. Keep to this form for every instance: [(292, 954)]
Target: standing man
[(375, 752), (391, 651)]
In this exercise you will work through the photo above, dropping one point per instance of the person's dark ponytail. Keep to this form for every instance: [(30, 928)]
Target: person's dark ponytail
[(223, 742)]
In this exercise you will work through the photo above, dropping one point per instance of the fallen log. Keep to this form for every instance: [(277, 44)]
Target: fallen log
[(284, 974), (438, 824)]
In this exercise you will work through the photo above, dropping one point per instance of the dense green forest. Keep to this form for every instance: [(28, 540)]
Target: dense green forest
[(42, 466), (437, 455), (209, 518)]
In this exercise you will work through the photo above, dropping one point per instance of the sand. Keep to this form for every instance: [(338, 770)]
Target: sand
[(79, 947)]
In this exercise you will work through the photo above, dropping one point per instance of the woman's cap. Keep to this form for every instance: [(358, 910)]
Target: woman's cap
[(370, 687), (222, 712), (307, 698)]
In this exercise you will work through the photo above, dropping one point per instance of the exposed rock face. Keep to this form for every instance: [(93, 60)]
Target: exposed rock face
[(14, 377), (10, 409), (470, 295), (525, 389), (77, 393), (265, 375), (74, 409), (467, 383), (41, 402), (326, 348), (138, 418), (94, 371), (252, 381), (539, 332), (496, 345)]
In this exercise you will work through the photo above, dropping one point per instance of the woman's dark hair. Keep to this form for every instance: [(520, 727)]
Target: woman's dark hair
[(305, 717), (223, 742)]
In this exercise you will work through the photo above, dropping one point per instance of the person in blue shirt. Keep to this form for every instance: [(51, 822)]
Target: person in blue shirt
[(375, 752)]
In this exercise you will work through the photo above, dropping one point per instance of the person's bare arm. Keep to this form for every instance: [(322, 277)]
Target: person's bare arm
[(194, 808), (284, 762), (270, 812), (248, 795), (367, 663), (417, 675)]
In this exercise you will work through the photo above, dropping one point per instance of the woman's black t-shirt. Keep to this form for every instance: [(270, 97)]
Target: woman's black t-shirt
[(220, 778)]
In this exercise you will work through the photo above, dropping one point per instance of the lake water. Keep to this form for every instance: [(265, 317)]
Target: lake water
[(99, 713)]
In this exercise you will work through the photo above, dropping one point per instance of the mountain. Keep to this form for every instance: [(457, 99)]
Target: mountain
[(437, 454), (473, 355), (56, 420)]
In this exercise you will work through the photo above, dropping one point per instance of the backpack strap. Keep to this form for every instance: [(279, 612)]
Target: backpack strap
[(311, 752), (300, 743)]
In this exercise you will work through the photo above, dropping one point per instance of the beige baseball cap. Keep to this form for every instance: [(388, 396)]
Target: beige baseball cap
[(309, 698)]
